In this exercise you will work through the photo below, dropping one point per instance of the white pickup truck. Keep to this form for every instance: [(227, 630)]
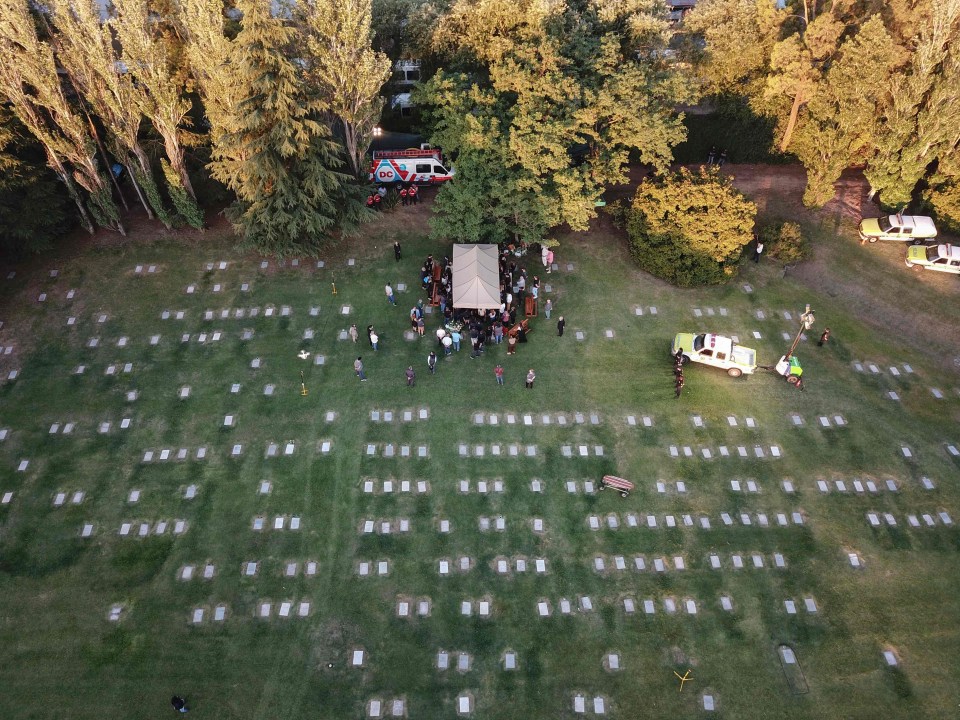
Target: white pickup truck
[(912, 228), (716, 350)]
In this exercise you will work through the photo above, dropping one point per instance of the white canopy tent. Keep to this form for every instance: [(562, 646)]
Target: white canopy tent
[(476, 277)]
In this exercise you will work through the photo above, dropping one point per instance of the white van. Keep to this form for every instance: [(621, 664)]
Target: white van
[(423, 166)]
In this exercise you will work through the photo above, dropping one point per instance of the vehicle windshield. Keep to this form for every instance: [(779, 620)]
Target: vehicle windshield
[(698, 342), (885, 224), (932, 253)]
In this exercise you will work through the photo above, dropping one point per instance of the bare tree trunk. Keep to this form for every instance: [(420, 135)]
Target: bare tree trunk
[(55, 164), (81, 208), (136, 186), (175, 157), (350, 140), (106, 161), (791, 123)]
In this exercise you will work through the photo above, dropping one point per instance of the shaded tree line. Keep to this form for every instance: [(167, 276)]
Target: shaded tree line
[(849, 82), (289, 101)]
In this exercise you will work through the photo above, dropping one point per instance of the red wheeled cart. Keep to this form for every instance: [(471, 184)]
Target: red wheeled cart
[(624, 487)]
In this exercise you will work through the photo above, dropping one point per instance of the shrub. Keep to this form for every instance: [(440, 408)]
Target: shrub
[(784, 242), (689, 228)]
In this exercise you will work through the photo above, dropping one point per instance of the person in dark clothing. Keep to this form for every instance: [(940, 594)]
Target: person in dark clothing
[(712, 155), (397, 251), (179, 704), (561, 323), (824, 337), (432, 362), (411, 377), (722, 159), (678, 384)]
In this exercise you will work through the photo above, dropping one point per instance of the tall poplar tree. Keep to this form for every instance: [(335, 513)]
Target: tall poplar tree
[(837, 129), (202, 26), (280, 160), (920, 120), (84, 46), (147, 57), (347, 72), (31, 84)]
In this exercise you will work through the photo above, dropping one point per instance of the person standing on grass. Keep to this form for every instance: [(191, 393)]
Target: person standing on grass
[(374, 340), (369, 334), (403, 195), (498, 374), (397, 253), (411, 377), (447, 344), (722, 159), (678, 383), (456, 338), (824, 337), (547, 308), (712, 155), (432, 362), (512, 344), (561, 323), (388, 290), (354, 334), (358, 369), (179, 704), (531, 376), (758, 249), (413, 193), (420, 326)]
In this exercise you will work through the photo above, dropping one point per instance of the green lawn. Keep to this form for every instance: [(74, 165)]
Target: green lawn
[(63, 657)]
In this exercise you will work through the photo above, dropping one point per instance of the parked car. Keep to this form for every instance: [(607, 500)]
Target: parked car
[(913, 228), (945, 258), (716, 350)]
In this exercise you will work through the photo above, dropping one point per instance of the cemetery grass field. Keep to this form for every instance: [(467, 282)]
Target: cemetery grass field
[(64, 657)]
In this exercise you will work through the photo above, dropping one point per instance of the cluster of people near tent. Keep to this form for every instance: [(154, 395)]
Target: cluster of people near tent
[(472, 328), (519, 293), (519, 296)]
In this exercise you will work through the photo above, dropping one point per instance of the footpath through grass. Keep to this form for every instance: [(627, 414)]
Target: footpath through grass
[(379, 520)]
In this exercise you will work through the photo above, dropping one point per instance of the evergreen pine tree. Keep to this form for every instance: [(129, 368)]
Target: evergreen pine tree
[(280, 160)]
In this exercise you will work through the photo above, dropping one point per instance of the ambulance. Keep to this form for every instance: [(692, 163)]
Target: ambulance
[(423, 166)]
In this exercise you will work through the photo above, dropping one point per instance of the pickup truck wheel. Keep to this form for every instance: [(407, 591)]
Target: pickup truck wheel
[(873, 239), (793, 379), (734, 372), (684, 359)]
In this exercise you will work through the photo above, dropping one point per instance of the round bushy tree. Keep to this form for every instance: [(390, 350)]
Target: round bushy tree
[(689, 228)]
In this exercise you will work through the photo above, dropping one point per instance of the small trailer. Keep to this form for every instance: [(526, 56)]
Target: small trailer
[(624, 487)]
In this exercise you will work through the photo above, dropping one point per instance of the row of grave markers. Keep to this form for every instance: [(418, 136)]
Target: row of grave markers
[(913, 520), (723, 451)]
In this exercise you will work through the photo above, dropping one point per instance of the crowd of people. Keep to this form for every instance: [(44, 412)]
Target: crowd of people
[(507, 324)]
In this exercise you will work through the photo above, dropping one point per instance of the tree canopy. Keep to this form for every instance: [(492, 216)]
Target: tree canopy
[(542, 105), (848, 83)]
